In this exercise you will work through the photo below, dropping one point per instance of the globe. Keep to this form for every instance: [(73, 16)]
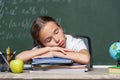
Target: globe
[(114, 51)]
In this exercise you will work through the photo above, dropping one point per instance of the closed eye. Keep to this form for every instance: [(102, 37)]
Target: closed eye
[(56, 31), (48, 39)]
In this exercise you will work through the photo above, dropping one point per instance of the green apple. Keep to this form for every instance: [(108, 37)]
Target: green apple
[(16, 66)]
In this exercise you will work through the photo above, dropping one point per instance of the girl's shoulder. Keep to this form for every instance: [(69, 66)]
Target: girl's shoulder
[(68, 36), (71, 38)]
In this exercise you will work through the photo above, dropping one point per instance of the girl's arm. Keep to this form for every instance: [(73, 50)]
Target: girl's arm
[(82, 57), (40, 52), (29, 54)]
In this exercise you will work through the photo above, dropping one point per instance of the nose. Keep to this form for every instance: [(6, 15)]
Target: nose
[(56, 39)]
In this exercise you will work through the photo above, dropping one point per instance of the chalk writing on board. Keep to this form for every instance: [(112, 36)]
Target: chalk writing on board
[(14, 2), (30, 10), (25, 23), (16, 19), (11, 36), (1, 9)]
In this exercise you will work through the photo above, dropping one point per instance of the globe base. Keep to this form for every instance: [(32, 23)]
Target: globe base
[(118, 62)]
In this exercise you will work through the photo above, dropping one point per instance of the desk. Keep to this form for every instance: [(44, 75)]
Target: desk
[(96, 73)]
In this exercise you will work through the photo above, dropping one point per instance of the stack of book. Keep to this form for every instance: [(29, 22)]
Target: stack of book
[(55, 63), (114, 70)]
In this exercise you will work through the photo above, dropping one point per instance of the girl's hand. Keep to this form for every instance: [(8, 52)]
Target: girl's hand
[(59, 49), (52, 50)]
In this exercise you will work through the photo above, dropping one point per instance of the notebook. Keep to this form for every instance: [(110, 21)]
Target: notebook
[(52, 61)]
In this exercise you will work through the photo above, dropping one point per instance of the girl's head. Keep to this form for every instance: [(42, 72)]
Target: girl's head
[(46, 31)]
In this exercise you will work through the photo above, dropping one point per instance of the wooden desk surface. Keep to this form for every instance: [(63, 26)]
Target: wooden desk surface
[(96, 73)]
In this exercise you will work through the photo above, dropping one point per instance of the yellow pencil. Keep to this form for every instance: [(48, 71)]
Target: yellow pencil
[(8, 54), (8, 50)]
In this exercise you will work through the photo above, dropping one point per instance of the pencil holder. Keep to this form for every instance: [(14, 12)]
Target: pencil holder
[(10, 57), (5, 60), (2, 61)]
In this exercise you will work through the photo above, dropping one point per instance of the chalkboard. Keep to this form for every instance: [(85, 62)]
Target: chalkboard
[(98, 19)]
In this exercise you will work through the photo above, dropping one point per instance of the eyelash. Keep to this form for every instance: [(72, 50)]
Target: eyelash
[(56, 32), (48, 40)]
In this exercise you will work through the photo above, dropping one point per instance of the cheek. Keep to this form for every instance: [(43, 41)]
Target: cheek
[(62, 35), (61, 32)]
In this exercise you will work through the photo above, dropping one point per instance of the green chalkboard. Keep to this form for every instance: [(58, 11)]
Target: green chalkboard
[(98, 19)]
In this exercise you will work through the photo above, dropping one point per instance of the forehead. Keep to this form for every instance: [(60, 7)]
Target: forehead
[(48, 29)]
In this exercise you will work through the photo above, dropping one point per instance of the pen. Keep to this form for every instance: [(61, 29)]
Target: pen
[(12, 55), (4, 59)]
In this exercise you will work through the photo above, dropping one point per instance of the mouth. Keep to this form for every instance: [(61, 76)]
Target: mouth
[(61, 44)]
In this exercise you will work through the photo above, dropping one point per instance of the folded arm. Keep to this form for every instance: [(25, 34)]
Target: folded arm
[(41, 52), (82, 57)]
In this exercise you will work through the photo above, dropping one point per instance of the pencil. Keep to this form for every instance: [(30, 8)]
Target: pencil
[(12, 55), (8, 54), (4, 59)]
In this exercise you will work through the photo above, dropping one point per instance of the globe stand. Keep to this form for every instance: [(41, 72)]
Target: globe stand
[(118, 62)]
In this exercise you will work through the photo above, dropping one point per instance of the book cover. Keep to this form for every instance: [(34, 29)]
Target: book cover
[(52, 61), (114, 69)]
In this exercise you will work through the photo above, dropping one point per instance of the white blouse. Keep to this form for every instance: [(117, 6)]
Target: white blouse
[(75, 44)]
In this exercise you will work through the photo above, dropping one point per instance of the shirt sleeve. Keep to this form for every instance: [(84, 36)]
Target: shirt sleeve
[(79, 44), (36, 47)]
